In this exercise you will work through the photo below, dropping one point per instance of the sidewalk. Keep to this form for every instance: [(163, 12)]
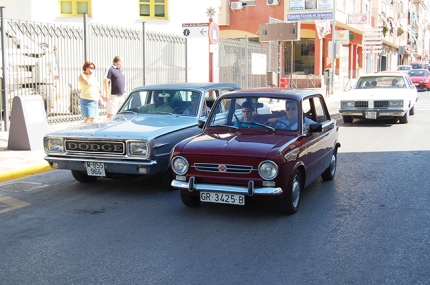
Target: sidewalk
[(16, 164)]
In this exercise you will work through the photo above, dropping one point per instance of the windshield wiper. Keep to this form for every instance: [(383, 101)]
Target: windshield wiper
[(225, 126), (127, 111), (243, 125)]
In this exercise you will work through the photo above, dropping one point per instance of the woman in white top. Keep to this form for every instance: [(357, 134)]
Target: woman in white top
[(90, 92)]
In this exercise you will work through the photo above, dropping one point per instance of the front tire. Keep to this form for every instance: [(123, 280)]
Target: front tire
[(290, 204), (189, 200), (83, 177), (404, 119), (329, 173), (166, 179), (347, 119), (412, 111)]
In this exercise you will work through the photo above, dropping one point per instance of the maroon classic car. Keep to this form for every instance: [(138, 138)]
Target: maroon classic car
[(265, 144)]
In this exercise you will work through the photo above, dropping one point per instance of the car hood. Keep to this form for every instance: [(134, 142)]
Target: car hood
[(235, 144), (125, 127), (375, 94)]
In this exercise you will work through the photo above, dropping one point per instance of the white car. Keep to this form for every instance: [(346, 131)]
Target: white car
[(388, 95), (404, 68)]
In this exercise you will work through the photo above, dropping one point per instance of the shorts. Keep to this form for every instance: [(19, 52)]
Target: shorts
[(89, 108), (114, 103)]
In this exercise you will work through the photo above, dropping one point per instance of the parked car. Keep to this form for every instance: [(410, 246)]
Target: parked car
[(233, 161), (140, 138), (420, 78), (417, 65), (385, 95), (404, 68)]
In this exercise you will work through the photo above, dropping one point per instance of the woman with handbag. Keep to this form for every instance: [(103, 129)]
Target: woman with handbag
[(90, 92)]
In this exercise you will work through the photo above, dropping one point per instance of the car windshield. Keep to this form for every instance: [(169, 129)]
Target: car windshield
[(256, 113), (417, 66), (404, 68), (181, 102), (418, 73), (369, 82)]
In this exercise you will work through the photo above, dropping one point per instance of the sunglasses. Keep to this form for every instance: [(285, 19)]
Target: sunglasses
[(292, 108), (92, 67)]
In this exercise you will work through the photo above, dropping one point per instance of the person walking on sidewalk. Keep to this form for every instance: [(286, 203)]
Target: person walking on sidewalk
[(114, 85), (90, 92)]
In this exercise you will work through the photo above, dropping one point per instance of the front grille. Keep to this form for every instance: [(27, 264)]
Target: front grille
[(361, 104), (381, 104), (223, 168), (99, 147)]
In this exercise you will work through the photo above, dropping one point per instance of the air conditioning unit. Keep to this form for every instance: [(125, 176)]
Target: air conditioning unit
[(272, 2), (236, 5)]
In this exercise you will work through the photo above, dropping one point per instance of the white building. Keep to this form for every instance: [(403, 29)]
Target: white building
[(165, 16)]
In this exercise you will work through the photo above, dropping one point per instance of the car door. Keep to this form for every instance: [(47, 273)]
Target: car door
[(319, 145)]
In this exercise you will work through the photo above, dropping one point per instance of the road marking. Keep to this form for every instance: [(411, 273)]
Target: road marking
[(12, 203)]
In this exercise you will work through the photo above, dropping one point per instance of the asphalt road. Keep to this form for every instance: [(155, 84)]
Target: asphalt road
[(370, 225)]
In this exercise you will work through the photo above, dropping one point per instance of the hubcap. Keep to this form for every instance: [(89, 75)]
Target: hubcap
[(295, 191)]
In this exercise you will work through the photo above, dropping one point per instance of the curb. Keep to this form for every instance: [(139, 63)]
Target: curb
[(26, 171)]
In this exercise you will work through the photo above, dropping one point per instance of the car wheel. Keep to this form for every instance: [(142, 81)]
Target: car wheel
[(290, 204), (189, 200), (166, 179), (83, 177), (329, 173), (347, 119), (412, 111), (404, 119)]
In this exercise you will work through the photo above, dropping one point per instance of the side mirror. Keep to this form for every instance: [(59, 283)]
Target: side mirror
[(315, 128), (200, 124)]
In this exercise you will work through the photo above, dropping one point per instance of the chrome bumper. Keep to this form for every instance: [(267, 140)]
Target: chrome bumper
[(250, 190), (111, 165)]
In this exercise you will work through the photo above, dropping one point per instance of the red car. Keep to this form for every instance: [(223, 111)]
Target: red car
[(420, 78), (262, 144)]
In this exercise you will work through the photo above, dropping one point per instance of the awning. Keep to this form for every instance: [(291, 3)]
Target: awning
[(236, 34)]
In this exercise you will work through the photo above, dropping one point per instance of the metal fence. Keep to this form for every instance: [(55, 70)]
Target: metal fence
[(46, 59)]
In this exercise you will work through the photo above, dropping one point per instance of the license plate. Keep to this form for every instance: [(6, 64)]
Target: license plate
[(95, 168), (370, 115), (222, 198), (417, 84)]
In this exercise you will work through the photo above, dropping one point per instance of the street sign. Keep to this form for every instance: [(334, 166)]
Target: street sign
[(214, 33), (195, 30), (372, 40)]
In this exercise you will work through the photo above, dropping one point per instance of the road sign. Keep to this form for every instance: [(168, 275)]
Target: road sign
[(214, 33), (372, 40), (195, 30)]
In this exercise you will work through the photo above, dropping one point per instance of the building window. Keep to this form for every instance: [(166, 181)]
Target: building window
[(75, 7), (249, 2), (155, 9)]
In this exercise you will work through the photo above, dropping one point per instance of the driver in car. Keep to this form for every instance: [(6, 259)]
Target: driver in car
[(158, 106), (193, 109), (290, 120)]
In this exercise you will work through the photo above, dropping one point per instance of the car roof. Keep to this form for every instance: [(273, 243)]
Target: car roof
[(384, 73), (188, 85), (297, 94)]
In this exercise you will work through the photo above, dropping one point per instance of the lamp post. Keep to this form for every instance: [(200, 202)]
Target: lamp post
[(333, 36)]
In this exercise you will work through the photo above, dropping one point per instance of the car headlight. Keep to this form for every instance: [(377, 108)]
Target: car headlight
[(397, 103), (54, 145), (180, 165), (268, 170), (347, 104), (138, 148)]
